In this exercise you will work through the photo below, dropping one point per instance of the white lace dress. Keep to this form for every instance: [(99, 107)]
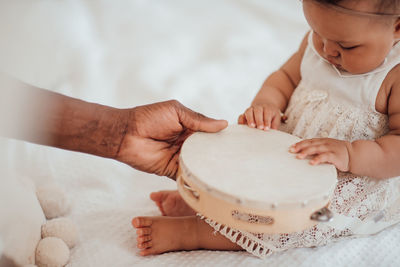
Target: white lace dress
[(334, 104)]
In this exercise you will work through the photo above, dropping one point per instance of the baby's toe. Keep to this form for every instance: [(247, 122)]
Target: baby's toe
[(146, 252), (156, 196), (145, 245), (143, 231), (161, 196), (143, 239), (141, 222)]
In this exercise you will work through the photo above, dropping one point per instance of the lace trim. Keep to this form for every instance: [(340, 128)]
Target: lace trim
[(264, 245), (243, 239)]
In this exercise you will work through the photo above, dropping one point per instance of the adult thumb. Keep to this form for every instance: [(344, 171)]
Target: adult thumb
[(198, 122)]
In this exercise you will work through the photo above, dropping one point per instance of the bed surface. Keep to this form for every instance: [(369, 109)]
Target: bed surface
[(210, 55)]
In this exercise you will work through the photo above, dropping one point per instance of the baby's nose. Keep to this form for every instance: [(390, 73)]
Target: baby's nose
[(330, 49)]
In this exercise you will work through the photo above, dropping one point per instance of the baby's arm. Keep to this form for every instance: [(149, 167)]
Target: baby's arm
[(274, 95), (378, 158)]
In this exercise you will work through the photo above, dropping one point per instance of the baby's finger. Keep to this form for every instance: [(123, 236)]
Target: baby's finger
[(259, 117), (267, 119), (328, 157), (242, 119), (312, 150), (296, 148), (250, 117), (276, 121)]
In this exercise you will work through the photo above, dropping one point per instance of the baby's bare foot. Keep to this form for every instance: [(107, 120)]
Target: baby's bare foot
[(156, 235), (171, 203)]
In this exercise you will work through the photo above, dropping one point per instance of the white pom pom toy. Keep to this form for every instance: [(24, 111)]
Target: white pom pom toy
[(59, 234), (53, 201), (52, 252), (62, 228)]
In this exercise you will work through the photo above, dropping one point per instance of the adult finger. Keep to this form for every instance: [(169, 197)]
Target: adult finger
[(198, 122)]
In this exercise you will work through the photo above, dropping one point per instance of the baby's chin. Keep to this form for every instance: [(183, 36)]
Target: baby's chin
[(340, 68), (353, 71), (358, 69)]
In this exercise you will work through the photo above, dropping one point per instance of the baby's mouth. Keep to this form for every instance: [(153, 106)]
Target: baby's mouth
[(333, 62), (338, 66)]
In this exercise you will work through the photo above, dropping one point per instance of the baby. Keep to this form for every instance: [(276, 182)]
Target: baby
[(341, 93)]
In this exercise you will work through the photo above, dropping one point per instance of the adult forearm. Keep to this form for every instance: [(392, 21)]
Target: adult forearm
[(86, 127), (40, 116)]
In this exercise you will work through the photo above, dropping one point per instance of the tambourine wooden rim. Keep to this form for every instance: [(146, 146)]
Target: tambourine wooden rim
[(249, 214)]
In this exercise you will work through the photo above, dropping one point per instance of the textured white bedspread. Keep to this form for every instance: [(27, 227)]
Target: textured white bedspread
[(211, 55)]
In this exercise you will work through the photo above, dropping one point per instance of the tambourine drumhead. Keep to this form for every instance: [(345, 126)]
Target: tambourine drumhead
[(242, 173)]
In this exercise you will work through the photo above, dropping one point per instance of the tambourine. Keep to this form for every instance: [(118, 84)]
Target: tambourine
[(247, 179)]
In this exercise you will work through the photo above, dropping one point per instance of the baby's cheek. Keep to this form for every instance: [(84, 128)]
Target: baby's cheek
[(359, 63)]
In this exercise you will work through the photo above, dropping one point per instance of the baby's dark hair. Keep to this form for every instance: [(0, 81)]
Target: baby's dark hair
[(382, 6)]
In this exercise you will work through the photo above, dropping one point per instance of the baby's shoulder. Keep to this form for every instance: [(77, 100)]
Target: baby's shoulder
[(390, 86), (393, 74)]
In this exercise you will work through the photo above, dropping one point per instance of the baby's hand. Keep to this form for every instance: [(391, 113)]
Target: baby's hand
[(324, 150), (263, 117)]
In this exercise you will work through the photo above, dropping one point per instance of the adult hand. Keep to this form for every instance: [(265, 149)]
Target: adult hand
[(156, 132)]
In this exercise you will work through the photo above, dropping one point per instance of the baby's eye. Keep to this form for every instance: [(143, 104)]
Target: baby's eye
[(348, 47)]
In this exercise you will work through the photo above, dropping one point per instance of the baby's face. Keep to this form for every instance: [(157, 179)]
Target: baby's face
[(354, 43)]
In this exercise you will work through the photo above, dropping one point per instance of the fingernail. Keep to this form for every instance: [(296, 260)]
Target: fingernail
[(261, 127), (252, 125), (292, 149)]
